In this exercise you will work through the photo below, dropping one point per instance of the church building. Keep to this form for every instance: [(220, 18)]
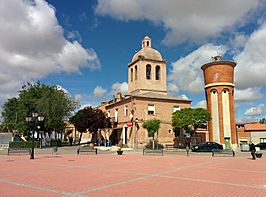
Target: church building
[(146, 99)]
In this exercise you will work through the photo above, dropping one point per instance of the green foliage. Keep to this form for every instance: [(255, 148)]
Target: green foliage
[(152, 126), (50, 101), (190, 119), (56, 142), (263, 121), (22, 144)]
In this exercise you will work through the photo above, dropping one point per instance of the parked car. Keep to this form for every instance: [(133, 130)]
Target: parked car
[(206, 147), (261, 145)]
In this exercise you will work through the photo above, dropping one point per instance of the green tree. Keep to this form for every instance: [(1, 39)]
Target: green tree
[(152, 127), (263, 121), (90, 119), (190, 119), (50, 101)]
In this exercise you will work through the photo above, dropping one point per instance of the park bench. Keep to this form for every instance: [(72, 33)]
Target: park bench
[(223, 152), (169, 146), (18, 151), (152, 151), (86, 149)]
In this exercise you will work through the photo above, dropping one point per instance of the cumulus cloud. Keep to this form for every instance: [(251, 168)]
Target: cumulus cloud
[(186, 73), (172, 88), (248, 95), (256, 111), (32, 45), (183, 96), (237, 42), (182, 20), (251, 62), (99, 92), (123, 87), (201, 104)]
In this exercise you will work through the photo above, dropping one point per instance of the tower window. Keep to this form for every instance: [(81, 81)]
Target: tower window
[(131, 74), (148, 43), (157, 72), (136, 72), (148, 72)]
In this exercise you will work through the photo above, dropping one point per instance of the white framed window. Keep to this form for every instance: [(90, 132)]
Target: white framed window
[(151, 109), (125, 111), (177, 108), (116, 115)]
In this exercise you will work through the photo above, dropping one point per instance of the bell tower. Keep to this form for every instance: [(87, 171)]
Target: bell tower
[(147, 70), (219, 91)]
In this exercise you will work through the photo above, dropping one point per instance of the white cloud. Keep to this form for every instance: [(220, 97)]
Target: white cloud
[(186, 73), (32, 45), (248, 95), (123, 87), (237, 42), (183, 20), (201, 104), (251, 62), (256, 111), (172, 89), (99, 92), (85, 105), (183, 96)]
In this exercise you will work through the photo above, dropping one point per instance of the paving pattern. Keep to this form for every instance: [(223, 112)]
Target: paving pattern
[(131, 174)]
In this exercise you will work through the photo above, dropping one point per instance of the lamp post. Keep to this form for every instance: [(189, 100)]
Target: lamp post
[(35, 117), (137, 129)]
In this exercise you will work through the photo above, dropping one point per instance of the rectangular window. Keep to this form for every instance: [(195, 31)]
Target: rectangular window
[(108, 114), (262, 140), (177, 108), (151, 109), (116, 115), (125, 110)]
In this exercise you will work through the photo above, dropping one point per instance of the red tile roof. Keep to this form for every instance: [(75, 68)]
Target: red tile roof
[(255, 127)]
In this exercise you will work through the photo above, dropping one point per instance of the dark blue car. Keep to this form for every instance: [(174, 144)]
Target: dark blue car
[(261, 145), (206, 147)]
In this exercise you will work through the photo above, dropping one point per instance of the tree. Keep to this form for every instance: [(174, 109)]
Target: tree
[(50, 101), (190, 119), (89, 119), (152, 127), (263, 121)]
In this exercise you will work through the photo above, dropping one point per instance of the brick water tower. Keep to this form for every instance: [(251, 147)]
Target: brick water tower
[(219, 91)]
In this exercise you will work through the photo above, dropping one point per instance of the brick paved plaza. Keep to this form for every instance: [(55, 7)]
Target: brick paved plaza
[(132, 174)]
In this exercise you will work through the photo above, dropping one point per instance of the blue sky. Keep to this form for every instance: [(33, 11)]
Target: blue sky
[(85, 46)]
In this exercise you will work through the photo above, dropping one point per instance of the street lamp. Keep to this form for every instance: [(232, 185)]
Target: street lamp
[(136, 132), (35, 117)]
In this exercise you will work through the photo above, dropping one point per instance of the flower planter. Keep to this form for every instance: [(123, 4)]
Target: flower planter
[(258, 155), (119, 152)]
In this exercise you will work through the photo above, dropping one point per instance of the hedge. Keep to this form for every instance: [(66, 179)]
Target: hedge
[(22, 144)]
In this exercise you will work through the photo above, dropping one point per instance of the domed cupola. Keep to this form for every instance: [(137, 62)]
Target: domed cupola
[(147, 51)]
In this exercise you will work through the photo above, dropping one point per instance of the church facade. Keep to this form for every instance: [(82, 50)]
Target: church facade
[(146, 99)]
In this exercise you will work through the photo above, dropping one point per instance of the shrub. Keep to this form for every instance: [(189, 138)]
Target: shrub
[(56, 142), (22, 144)]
